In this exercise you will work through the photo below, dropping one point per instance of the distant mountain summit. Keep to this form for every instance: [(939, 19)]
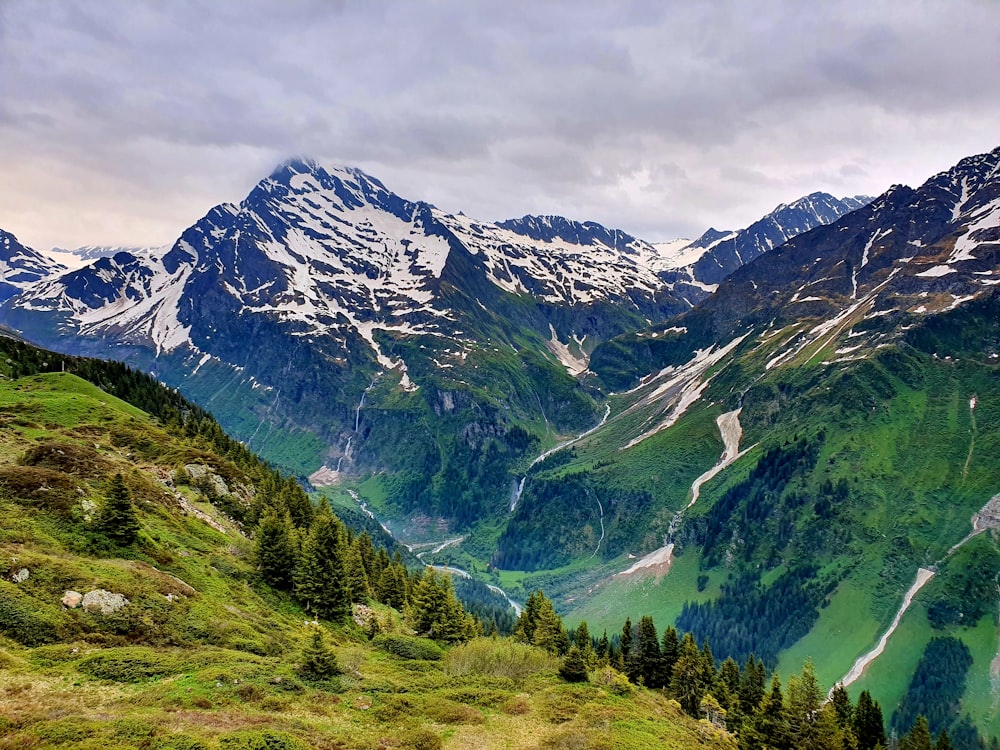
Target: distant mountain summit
[(907, 252), (81, 256), (724, 252), (20, 266), (323, 282)]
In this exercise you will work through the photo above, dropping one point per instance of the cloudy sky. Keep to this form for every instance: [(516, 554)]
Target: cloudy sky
[(123, 122)]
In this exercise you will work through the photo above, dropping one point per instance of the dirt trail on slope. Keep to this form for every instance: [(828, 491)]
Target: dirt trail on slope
[(923, 576), (660, 560), (731, 431)]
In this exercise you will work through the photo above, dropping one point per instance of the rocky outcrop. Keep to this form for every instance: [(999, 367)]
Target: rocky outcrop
[(201, 473), (103, 602)]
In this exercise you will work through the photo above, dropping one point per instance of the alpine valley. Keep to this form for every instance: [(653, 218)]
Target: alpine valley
[(783, 439)]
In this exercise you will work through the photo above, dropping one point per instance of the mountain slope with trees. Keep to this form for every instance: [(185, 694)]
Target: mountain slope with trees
[(163, 588)]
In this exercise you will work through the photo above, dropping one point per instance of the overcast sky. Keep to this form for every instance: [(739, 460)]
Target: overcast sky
[(124, 122)]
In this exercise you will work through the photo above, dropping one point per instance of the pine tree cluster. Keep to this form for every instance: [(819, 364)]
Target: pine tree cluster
[(312, 555)]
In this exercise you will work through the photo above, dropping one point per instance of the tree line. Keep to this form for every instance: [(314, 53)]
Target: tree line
[(763, 713)]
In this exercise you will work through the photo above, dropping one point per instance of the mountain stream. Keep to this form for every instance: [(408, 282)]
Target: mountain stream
[(435, 548)]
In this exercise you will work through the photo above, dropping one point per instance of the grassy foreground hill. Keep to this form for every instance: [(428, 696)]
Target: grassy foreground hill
[(204, 654)]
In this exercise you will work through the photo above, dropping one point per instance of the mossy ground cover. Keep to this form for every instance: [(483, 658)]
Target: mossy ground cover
[(217, 699)]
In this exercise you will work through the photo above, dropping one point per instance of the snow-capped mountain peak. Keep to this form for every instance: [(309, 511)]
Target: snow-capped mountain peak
[(21, 267), (326, 250)]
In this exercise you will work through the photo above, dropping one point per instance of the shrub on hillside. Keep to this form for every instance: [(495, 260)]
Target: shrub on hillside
[(498, 658), (39, 487), (130, 665), (70, 458), (408, 647), (22, 620), (260, 740)]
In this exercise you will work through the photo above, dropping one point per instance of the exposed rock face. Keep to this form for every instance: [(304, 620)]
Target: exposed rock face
[(21, 575), (199, 472), (72, 599), (104, 602)]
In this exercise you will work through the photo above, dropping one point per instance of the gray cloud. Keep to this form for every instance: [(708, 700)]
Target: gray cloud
[(124, 121)]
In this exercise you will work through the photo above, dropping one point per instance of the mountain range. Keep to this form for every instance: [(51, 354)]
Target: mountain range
[(784, 439), (325, 269)]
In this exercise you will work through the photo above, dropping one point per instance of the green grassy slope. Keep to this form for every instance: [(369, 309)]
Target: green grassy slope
[(205, 655)]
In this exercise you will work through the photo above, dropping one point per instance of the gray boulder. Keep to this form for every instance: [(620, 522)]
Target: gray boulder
[(104, 602)]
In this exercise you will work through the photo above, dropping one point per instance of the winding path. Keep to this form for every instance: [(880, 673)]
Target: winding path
[(923, 576)]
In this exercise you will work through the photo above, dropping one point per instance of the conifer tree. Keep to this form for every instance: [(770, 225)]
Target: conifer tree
[(708, 675), (943, 741), (919, 736), (318, 660), (726, 691), (768, 727), (648, 665), (366, 550), (294, 498), (428, 603), (604, 647), (686, 681), (804, 700), (549, 631), (274, 548), (869, 729), (118, 519), (434, 611), (729, 676), (526, 623), (752, 685), (625, 645), (581, 639), (829, 734), (320, 577), (842, 704), (573, 667), (392, 586), (357, 578), (669, 651)]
